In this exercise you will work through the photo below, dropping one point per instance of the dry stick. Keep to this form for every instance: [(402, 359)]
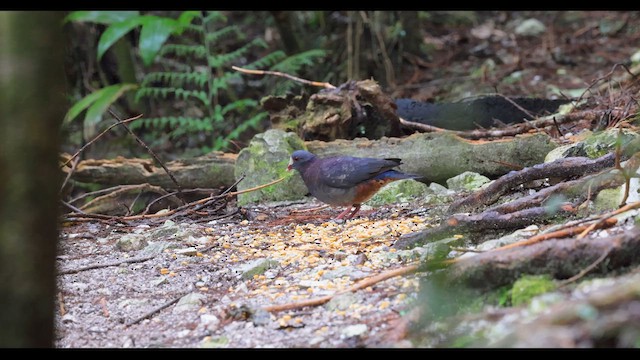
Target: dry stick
[(61, 304), (360, 285), (520, 128), (171, 212), (525, 111), (609, 74), (99, 192), (277, 73), (605, 217), (309, 210), (150, 152), (107, 264), (103, 305), (74, 164), (146, 210), (585, 270), (255, 188), (556, 234), (152, 312), (100, 135), (627, 177), (84, 214)]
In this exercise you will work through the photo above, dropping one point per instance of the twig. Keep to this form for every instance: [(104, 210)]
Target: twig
[(61, 304), (605, 217), (294, 211), (556, 234), (103, 304), (325, 85), (84, 214), (585, 270), (150, 152), (255, 188), (519, 128), (74, 164), (108, 264), (525, 111), (360, 285), (97, 137), (146, 210), (152, 312), (98, 192)]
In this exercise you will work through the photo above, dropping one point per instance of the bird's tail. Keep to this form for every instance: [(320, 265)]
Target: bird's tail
[(391, 175)]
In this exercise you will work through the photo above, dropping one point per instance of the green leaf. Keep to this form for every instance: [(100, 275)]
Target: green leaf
[(84, 103), (107, 96), (187, 16), (155, 32), (101, 17), (116, 31)]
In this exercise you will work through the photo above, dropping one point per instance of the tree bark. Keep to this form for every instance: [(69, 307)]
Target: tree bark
[(32, 104)]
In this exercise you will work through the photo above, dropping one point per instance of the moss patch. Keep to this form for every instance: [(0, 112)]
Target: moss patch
[(529, 286)]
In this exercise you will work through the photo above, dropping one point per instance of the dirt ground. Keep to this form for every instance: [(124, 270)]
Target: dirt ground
[(311, 257), (192, 284)]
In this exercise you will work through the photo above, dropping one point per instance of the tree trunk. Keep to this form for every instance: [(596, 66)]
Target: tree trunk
[(32, 105)]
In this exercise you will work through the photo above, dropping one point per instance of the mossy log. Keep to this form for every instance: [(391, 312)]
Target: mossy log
[(436, 157), (210, 171)]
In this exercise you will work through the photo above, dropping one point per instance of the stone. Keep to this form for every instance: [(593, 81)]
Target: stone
[(398, 192), (467, 181), (131, 242), (255, 267), (265, 160), (530, 27)]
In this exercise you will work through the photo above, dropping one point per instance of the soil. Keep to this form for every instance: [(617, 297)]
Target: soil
[(142, 303), (113, 306)]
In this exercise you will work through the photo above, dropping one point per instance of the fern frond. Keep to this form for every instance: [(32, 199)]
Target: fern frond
[(253, 122), (174, 79), (197, 29), (216, 61), (192, 51), (294, 63), (179, 93), (267, 61), (215, 36), (222, 82), (240, 105), (214, 16)]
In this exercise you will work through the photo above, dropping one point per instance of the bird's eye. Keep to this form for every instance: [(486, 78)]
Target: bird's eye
[(295, 158)]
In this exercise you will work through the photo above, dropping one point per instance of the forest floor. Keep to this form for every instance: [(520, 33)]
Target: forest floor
[(209, 284)]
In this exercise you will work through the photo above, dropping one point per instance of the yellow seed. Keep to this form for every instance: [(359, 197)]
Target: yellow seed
[(164, 271), (286, 317), (383, 305)]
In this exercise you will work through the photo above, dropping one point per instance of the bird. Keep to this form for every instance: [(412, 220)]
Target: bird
[(345, 180)]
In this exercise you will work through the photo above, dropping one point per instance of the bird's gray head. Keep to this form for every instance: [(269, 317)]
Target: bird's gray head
[(300, 160)]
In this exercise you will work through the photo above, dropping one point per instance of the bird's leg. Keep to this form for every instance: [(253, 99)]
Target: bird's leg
[(356, 208), (342, 214)]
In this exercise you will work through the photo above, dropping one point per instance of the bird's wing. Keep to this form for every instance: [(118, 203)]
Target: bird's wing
[(346, 172)]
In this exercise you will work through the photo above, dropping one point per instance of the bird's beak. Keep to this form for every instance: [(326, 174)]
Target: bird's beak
[(290, 166)]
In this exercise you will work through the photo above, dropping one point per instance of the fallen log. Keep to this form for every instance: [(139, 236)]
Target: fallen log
[(436, 157), (559, 258), (209, 171)]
